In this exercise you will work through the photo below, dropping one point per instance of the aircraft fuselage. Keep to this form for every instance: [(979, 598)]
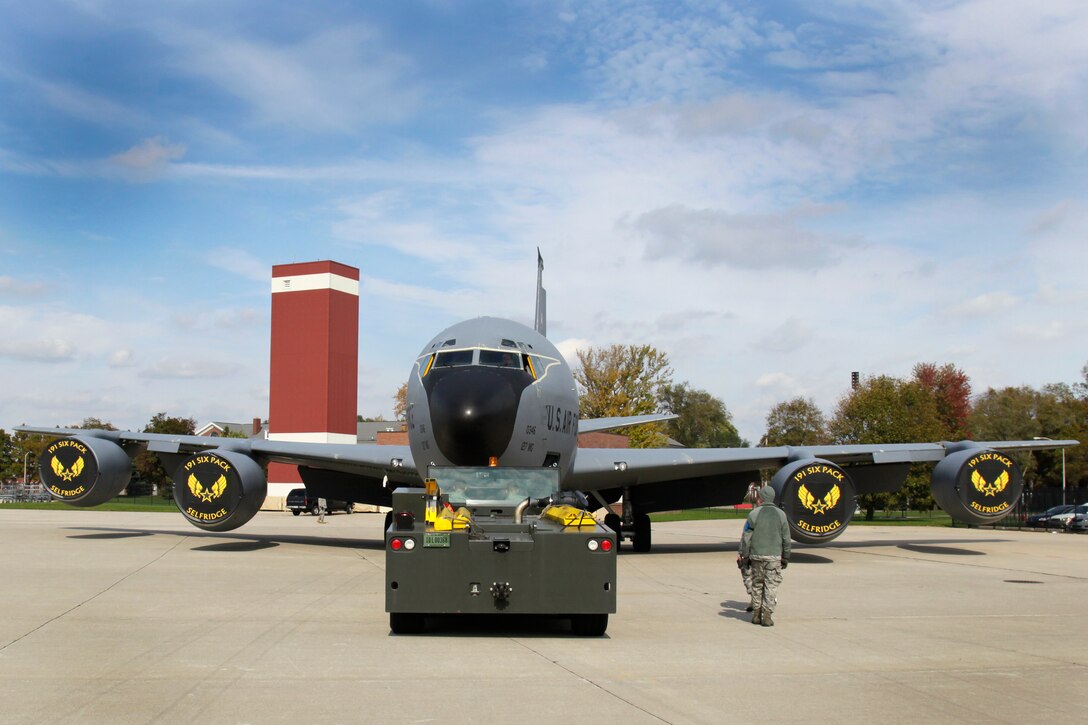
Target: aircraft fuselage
[(490, 387)]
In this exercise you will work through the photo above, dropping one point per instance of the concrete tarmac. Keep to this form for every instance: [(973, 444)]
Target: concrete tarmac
[(140, 618)]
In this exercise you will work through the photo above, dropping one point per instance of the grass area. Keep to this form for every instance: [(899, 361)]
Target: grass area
[(141, 503), (700, 515)]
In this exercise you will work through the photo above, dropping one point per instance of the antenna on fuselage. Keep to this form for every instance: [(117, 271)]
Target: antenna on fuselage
[(541, 324)]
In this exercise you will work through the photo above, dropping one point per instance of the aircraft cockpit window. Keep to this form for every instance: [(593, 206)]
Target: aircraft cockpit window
[(500, 359), (453, 359)]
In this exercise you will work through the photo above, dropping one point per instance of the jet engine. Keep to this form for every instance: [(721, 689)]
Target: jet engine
[(976, 485), (84, 471), (219, 490), (818, 497)]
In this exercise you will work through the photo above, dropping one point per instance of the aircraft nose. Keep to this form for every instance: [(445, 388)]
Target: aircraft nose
[(472, 413)]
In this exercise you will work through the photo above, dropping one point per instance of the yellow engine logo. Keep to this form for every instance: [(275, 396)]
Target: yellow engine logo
[(818, 506), (67, 474), (987, 488), (207, 494)]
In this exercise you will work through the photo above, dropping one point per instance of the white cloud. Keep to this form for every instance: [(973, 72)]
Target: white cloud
[(989, 303), (460, 302), (148, 159), (46, 350), (789, 337), (20, 288), (330, 80), (240, 262), (744, 241), (189, 369), (121, 358), (778, 383), (82, 104), (242, 318), (569, 349), (1051, 331), (377, 220)]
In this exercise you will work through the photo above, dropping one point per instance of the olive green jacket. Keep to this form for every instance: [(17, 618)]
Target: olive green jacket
[(766, 533)]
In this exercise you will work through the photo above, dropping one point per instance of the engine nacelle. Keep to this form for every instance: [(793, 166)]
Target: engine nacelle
[(976, 485), (84, 471), (219, 490), (818, 497)]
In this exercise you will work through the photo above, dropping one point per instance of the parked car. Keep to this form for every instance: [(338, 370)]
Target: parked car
[(1046, 518), (1065, 518), (299, 500), (1079, 523)]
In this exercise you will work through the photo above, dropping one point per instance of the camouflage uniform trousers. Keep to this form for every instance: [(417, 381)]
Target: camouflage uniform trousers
[(766, 576)]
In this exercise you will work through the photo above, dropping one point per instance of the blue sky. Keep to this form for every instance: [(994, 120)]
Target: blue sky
[(775, 194)]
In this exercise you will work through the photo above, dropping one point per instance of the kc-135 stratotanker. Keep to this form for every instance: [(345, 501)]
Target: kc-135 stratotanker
[(491, 391)]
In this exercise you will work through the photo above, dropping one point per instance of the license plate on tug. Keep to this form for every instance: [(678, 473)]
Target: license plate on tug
[(434, 540)]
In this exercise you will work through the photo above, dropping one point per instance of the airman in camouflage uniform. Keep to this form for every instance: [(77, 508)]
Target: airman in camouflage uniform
[(766, 544)]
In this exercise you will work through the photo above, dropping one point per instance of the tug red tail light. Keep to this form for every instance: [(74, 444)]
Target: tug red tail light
[(604, 545)]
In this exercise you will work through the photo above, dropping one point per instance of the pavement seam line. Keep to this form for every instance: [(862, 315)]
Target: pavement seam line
[(960, 563), (600, 687), (92, 597)]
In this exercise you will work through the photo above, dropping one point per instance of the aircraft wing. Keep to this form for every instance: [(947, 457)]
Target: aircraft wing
[(974, 482), (593, 425), (601, 468), (369, 460)]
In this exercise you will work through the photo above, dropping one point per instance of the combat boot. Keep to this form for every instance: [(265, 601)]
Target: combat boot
[(750, 607), (757, 616), (767, 620)]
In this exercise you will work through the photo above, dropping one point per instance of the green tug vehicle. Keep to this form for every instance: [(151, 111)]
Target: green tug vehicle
[(495, 540)]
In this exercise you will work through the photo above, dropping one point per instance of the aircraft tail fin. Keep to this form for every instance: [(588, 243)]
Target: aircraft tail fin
[(541, 319)]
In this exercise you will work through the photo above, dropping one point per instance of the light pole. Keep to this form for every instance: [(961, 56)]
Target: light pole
[(1044, 438), (1063, 477), (24, 465)]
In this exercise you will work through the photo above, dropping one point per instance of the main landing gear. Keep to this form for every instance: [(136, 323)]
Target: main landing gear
[(632, 525)]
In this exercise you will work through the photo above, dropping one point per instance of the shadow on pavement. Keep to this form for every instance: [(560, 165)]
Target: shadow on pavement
[(242, 539)]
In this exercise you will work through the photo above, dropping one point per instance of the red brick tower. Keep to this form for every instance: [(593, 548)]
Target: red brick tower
[(313, 391)]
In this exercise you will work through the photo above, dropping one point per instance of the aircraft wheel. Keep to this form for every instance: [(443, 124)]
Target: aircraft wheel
[(642, 532), (296, 512), (388, 520), (588, 625), (405, 622), (350, 508)]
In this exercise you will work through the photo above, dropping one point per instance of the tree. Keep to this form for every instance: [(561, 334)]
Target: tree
[(1062, 414), (623, 380), (1009, 414), (796, 422), (400, 402), (951, 390), (148, 467), (95, 424), (704, 421), (10, 466), (22, 445), (884, 409)]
